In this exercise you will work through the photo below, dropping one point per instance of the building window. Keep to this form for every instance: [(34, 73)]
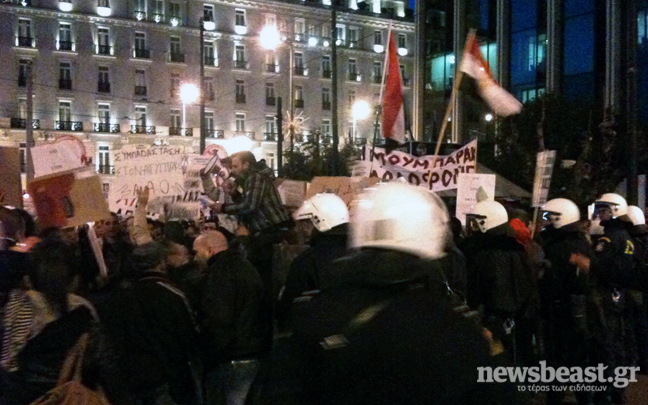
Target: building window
[(209, 89), (65, 76), (239, 57), (271, 20), (103, 83), (141, 50), (22, 108), (377, 72), (175, 85), (403, 75), (378, 37), (23, 67), (209, 123), (140, 115), (103, 3), (326, 98), (341, 34), (326, 66), (326, 32), (103, 113), (240, 18), (402, 41), (299, 97), (24, 33), (240, 91), (270, 130), (65, 37), (158, 10), (140, 9), (174, 11), (299, 64), (65, 111), (103, 160), (103, 41), (326, 127), (176, 122), (271, 64), (140, 82), (240, 122), (352, 97), (300, 29), (352, 68), (270, 94), (209, 52), (353, 37), (208, 13), (175, 50)]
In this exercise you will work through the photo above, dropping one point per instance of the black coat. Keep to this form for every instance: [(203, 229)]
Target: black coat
[(232, 312), (614, 264), (410, 347), (313, 269)]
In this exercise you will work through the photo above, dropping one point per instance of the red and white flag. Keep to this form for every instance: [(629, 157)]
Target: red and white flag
[(473, 64), (393, 113)]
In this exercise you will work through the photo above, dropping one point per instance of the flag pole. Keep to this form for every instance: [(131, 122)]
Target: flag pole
[(453, 96), (380, 99)]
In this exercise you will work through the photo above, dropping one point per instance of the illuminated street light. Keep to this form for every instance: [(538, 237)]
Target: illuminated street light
[(189, 93), (359, 111), (488, 117)]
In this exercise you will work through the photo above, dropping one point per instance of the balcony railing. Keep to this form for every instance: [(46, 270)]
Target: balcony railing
[(326, 74), (22, 80), (158, 18), (326, 105), (271, 100), (105, 127), (26, 41), (215, 133), (299, 103), (103, 87), (353, 44), (299, 71), (272, 67), (106, 169), (103, 49), (241, 64), (377, 79), (249, 134), (177, 57), (353, 76), (69, 126), (65, 84), (210, 61), (140, 90), (21, 123), (240, 98), (177, 131), (139, 15), (65, 45), (142, 53), (142, 129), (406, 82), (269, 136)]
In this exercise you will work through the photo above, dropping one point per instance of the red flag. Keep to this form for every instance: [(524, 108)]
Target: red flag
[(473, 64), (393, 114)]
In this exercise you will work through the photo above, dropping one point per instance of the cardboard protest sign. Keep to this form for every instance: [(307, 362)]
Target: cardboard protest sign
[(50, 158), (473, 188), (10, 185), (292, 192), (418, 170), (188, 207), (68, 199), (544, 169), (161, 168), (347, 188)]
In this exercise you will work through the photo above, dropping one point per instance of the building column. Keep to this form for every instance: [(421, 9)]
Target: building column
[(613, 52), (418, 85), (503, 38), (554, 46), (458, 46)]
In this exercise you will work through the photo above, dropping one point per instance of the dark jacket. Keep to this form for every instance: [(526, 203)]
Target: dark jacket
[(313, 269), (409, 347), (232, 311), (151, 327), (499, 274), (613, 264)]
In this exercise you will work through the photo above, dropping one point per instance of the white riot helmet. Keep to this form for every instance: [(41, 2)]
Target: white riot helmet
[(401, 217), (488, 215), (617, 204), (636, 215), (561, 212), (325, 210)]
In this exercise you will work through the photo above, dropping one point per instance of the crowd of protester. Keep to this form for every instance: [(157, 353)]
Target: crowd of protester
[(394, 306)]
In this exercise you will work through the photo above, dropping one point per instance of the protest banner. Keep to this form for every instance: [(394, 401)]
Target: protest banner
[(10, 185), (418, 170), (57, 157), (544, 168), (471, 189), (68, 199), (161, 168), (188, 207), (292, 192), (347, 188)]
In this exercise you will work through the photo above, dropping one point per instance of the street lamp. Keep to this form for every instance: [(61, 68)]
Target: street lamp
[(189, 93), (270, 38), (359, 111)]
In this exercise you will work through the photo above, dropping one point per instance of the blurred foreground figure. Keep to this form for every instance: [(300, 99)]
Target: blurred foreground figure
[(388, 333)]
